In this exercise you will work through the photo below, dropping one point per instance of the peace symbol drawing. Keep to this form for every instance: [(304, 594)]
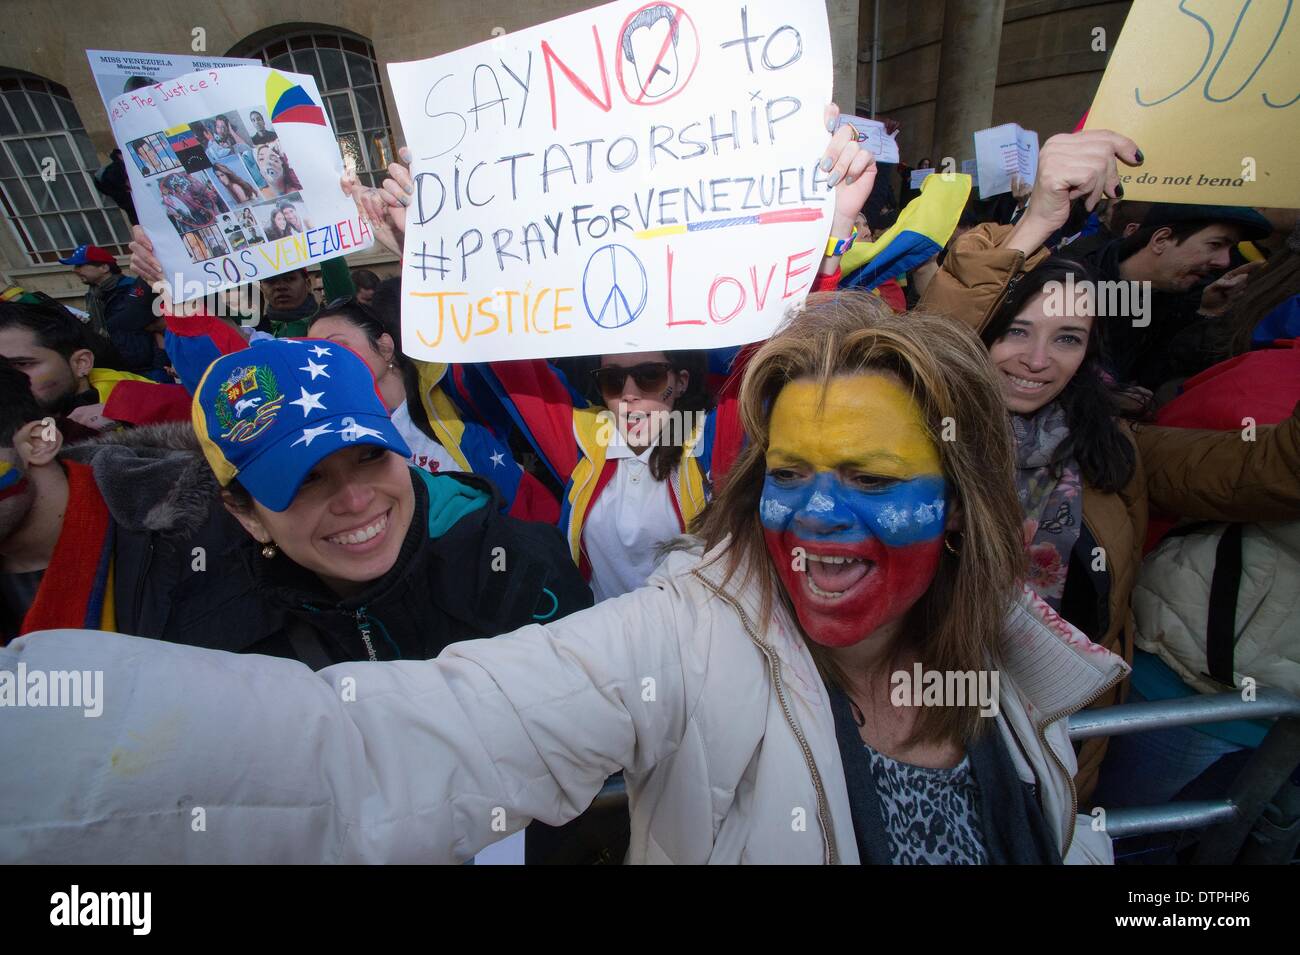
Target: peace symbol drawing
[(612, 282)]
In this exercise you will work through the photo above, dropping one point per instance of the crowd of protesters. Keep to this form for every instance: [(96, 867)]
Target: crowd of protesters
[(933, 466)]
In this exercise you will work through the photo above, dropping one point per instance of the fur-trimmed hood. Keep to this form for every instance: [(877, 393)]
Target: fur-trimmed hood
[(153, 478)]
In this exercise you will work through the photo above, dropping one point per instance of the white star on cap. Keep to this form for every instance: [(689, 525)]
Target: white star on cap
[(315, 369), (354, 431), (308, 401), (311, 434), (318, 351), (497, 461)]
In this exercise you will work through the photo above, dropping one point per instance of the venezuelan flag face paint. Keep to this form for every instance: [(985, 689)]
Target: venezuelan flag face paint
[(853, 506), (12, 481)]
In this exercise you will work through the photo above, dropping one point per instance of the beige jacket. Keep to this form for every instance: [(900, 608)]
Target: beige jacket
[(725, 732)]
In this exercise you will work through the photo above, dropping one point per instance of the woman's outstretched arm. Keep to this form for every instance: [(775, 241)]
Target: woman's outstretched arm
[(176, 754)]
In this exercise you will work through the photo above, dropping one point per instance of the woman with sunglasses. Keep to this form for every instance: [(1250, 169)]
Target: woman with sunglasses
[(633, 462), (440, 436)]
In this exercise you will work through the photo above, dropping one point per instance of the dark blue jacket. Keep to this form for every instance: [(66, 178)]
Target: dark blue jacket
[(127, 307)]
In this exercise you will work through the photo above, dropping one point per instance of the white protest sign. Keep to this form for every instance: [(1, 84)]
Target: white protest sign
[(635, 177), (1002, 152), (235, 175), (118, 71), (872, 135), (917, 177)]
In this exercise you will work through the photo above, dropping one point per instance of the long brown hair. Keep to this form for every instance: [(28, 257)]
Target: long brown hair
[(956, 624)]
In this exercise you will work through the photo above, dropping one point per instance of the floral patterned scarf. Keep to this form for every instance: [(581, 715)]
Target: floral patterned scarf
[(1051, 496)]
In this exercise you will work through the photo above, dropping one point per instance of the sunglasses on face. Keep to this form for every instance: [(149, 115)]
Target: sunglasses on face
[(651, 376)]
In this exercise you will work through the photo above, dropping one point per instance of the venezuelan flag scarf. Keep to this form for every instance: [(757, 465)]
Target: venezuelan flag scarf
[(77, 588)]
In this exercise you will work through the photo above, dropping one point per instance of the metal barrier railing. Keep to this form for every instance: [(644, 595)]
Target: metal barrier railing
[(1230, 819)]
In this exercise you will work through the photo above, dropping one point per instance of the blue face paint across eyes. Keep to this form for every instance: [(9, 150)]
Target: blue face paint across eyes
[(829, 510)]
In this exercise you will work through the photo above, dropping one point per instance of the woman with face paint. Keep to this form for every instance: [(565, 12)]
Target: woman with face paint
[(767, 693), (632, 444), (843, 667), (1087, 471)]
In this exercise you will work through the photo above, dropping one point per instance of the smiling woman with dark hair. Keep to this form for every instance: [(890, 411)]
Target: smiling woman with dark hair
[(1088, 470)]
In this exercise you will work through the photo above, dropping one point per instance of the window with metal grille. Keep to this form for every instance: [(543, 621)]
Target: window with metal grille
[(47, 165), (348, 76)]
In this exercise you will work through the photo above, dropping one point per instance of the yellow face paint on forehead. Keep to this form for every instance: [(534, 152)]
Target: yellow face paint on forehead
[(867, 420)]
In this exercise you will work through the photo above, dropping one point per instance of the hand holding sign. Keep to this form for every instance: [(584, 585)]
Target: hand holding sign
[(385, 208), (1072, 166), (569, 181), (851, 170)]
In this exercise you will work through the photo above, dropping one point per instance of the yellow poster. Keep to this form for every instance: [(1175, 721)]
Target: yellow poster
[(1210, 92)]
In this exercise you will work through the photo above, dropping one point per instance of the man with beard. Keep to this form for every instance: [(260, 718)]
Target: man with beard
[(60, 357), (101, 535)]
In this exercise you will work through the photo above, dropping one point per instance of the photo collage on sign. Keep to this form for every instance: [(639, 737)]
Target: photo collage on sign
[(225, 182)]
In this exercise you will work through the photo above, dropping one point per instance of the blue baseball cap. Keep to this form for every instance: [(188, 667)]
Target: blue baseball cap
[(88, 255), (269, 413)]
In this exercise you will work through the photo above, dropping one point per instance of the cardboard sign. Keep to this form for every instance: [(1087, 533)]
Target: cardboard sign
[(1211, 94), (635, 177), (235, 176), (1002, 152), (871, 135), (117, 71)]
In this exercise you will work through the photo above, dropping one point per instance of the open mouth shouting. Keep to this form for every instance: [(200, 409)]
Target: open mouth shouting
[(831, 576)]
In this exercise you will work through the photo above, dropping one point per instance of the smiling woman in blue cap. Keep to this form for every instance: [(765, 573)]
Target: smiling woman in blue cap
[(359, 556)]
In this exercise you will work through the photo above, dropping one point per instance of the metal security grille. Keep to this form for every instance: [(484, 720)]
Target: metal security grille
[(347, 74), (46, 167)]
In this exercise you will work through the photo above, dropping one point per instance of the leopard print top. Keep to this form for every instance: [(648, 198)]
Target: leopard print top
[(931, 816)]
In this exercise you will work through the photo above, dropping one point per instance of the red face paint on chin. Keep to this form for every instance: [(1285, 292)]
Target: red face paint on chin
[(894, 580)]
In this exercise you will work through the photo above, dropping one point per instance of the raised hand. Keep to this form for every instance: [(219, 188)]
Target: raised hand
[(852, 171), (1219, 295), (385, 208), (1072, 166)]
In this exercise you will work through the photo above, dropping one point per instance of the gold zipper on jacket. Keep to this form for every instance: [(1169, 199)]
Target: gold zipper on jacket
[(830, 854), (1042, 738)]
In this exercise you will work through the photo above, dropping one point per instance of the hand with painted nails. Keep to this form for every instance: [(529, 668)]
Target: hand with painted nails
[(1072, 166), (850, 169)]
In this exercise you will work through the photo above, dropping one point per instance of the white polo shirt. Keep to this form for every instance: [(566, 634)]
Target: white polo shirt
[(633, 515), (425, 452)]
